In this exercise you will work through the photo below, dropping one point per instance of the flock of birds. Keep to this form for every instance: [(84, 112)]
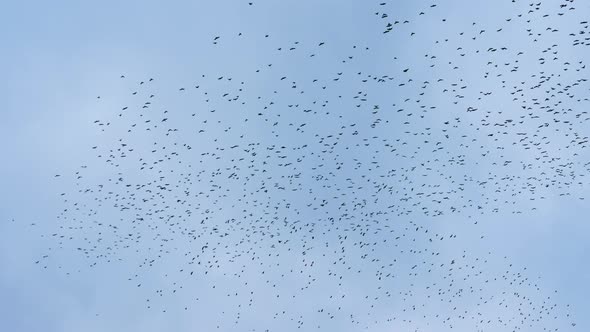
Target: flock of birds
[(313, 199)]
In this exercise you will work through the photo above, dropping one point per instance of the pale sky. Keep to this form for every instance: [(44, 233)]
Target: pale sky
[(57, 58)]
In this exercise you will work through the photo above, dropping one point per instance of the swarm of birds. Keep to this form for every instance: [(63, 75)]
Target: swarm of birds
[(293, 194)]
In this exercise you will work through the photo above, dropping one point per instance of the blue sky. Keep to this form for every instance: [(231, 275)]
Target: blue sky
[(57, 58)]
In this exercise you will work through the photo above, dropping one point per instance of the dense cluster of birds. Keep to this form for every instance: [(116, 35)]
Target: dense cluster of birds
[(313, 197)]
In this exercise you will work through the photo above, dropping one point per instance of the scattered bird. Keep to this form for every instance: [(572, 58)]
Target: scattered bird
[(296, 191)]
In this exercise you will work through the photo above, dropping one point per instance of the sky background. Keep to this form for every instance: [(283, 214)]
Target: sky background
[(58, 57)]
